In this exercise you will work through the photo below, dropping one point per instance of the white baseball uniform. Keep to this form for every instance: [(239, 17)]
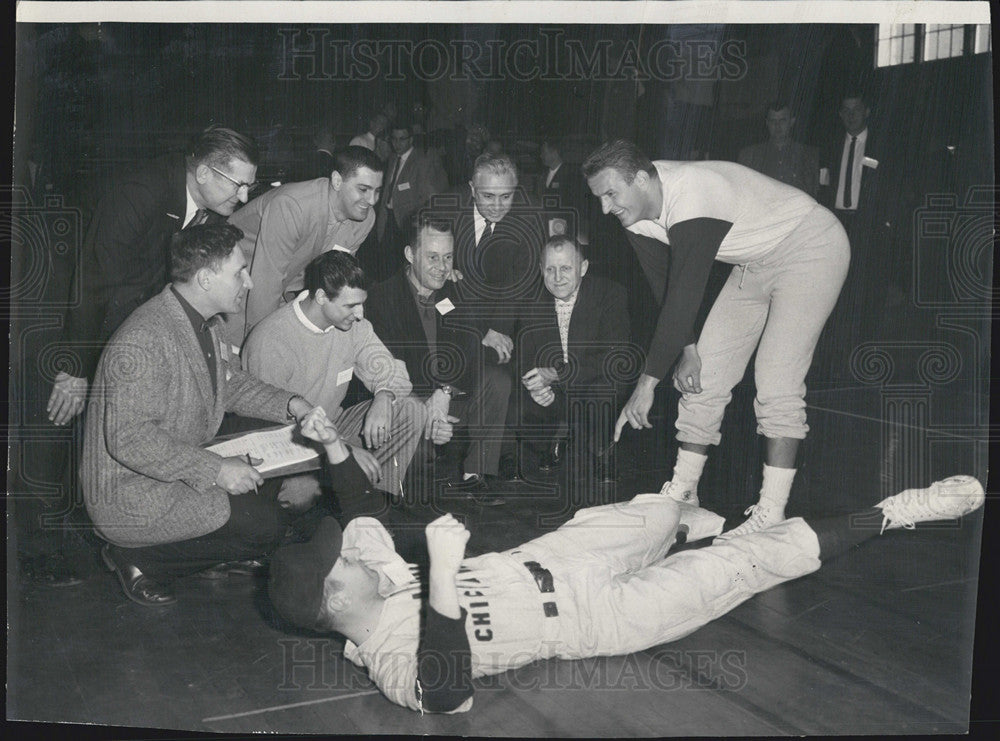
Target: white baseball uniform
[(597, 586)]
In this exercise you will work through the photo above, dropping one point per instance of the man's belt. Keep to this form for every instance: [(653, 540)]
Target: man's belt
[(543, 578)]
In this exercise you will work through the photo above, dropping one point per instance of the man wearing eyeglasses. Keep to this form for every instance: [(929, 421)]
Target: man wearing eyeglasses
[(289, 226)]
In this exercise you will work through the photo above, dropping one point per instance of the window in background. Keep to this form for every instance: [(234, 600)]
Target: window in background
[(902, 43)]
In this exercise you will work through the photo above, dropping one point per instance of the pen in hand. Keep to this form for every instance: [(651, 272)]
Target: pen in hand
[(250, 463)]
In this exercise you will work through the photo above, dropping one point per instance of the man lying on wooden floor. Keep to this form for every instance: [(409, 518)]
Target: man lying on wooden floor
[(599, 585)]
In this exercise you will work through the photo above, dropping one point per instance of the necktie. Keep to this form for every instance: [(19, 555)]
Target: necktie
[(392, 181), (849, 176), (487, 233), (199, 218)]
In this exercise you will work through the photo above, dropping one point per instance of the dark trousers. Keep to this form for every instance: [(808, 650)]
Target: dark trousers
[(255, 527), (476, 444), (585, 416)]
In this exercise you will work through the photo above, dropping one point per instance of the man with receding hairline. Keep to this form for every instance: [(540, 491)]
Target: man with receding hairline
[(122, 264), (498, 237), (563, 347), (125, 253), (420, 317)]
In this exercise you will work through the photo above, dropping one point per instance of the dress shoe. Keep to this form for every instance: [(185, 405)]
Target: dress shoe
[(479, 491), (486, 498), (137, 586)]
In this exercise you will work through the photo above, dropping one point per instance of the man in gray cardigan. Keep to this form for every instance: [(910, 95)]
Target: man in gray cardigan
[(167, 507)]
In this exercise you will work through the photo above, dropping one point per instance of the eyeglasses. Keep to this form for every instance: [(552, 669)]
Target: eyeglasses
[(239, 186)]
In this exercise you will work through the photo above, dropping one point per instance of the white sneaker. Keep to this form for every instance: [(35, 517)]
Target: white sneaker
[(761, 516), (681, 491), (942, 500)]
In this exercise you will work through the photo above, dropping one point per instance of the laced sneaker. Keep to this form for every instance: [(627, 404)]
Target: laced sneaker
[(761, 515), (681, 491), (942, 500)]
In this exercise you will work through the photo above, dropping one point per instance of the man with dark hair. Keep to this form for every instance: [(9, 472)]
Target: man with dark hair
[(602, 584), (792, 255), (565, 349), (420, 317), (286, 228), (864, 191), (780, 157), (413, 177), (852, 164), (314, 346), (166, 506)]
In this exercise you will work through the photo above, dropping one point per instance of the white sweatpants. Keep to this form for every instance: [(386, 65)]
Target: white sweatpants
[(778, 306), (617, 594)]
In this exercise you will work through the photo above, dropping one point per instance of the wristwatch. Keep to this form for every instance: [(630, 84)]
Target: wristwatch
[(447, 390)]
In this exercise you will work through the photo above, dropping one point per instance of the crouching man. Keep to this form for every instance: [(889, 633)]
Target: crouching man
[(165, 506), (314, 346)]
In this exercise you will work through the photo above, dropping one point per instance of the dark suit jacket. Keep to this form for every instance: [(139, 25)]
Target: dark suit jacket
[(125, 253), (876, 196), (393, 313), (598, 327), (420, 177), (503, 274)]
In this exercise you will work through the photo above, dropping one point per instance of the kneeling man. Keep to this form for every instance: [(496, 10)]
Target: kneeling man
[(167, 507)]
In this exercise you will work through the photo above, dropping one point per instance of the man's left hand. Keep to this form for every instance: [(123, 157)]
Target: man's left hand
[(378, 421), (455, 275)]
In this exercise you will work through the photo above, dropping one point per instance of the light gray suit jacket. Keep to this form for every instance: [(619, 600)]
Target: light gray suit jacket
[(144, 476)]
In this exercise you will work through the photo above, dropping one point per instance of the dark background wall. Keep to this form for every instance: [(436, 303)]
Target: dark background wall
[(91, 96)]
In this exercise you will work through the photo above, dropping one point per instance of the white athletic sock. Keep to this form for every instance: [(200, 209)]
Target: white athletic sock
[(776, 487), (689, 466)]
